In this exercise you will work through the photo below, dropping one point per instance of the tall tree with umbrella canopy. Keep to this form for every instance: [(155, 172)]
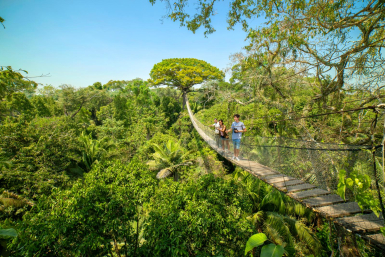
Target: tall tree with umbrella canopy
[(184, 73)]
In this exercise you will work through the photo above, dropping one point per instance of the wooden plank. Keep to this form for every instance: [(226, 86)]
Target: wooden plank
[(299, 187), (339, 210), (252, 164), (288, 183), (264, 172), (257, 167), (362, 223), (260, 168), (309, 193), (273, 176), (323, 200), (268, 168), (278, 178), (244, 164), (377, 239)]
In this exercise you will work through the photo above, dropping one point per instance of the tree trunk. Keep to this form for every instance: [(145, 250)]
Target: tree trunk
[(184, 95), (176, 176)]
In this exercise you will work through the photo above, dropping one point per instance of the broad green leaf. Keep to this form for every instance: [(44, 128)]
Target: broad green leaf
[(9, 232), (255, 241), (349, 182), (272, 250)]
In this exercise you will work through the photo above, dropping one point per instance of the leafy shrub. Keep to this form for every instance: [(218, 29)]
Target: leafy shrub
[(95, 217), (203, 217), (41, 152)]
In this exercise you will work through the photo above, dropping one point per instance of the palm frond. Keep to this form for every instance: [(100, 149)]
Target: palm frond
[(169, 157), (184, 156), (257, 218), (9, 199), (273, 234), (164, 173), (305, 235), (158, 157), (170, 170), (277, 221), (274, 198), (160, 151)]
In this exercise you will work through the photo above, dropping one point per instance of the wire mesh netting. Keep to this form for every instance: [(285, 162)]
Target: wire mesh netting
[(345, 182)]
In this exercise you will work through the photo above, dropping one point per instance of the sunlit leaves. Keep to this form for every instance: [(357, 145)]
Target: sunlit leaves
[(12, 81), (184, 73), (201, 216), (85, 219), (272, 250), (255, 241)]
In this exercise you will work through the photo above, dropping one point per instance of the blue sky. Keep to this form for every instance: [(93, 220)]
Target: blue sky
[(81, 42)]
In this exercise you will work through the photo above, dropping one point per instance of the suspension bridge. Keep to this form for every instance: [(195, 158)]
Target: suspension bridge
[(308, 173)]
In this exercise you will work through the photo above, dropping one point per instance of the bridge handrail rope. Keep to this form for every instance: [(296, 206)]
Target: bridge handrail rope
[(309, 173)]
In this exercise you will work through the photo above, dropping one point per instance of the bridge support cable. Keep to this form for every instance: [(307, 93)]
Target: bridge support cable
[(312, 173)]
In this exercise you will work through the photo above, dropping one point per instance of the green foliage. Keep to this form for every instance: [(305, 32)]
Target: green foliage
[(183, 73), (97, 85), (115, 85), (12, 81), (7, 233), (18, 104), (284, 221), (41, 106), (171, 109), (4, 163), (272, 250), (13, 206), (49, 140), (169, 158), (95, 217), (293, 28), (341, 187), (93, 150), (200, 217), (1, 21), (41, 151), (360, 186), (73, 100), (255, 241), (122, 109)]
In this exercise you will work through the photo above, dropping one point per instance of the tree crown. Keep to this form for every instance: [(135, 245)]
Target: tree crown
[(184, 73)]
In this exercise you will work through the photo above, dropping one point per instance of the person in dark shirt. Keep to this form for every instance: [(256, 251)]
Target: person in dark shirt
[(224, 135)]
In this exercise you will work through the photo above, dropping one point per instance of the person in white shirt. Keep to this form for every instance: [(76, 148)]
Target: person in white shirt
[(237, 127), (216, 125)]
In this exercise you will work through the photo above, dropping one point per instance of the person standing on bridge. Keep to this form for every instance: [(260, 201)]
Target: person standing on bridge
[(224, 136), (217, 135), (238, 128)]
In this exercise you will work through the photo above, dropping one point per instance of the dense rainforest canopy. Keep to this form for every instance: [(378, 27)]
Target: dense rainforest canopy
[(117, 169)]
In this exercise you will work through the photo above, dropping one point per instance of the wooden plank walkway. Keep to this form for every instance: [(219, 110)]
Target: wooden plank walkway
[(362, 223), (308, 193), (327, 204)]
